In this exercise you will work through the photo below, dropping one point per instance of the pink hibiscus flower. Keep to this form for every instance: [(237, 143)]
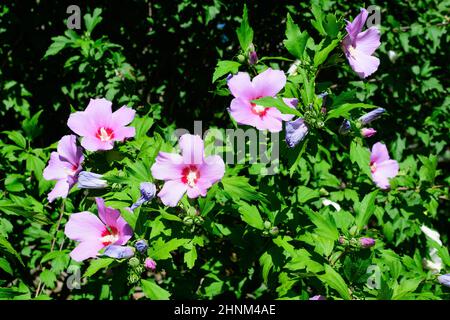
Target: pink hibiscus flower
[(190, 173), (359, 46), (94, 234), (100, 127), (64, 167), (381, 166), (244, 90)]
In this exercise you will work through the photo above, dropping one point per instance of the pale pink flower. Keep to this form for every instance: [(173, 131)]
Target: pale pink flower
[(64, 167), (100, 127), (381, 166), (244, 90), (359, 46), (94, 234), (190, 173)]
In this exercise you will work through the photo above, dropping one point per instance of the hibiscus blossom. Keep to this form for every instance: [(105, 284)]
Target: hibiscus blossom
[(64, 167), (359, 46), (100, 127), (94, 234), (190, 172), (244, 90), (381, 166)]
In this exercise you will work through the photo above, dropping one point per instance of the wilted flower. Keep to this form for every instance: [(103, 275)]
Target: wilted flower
[(244, 90), (90, 180), (94, 234), (141, 246), (381, 166), (296, 131), (367, 242), (359, 46), (100, 127), (150, 264), (318, 297), (190, 173), (148, 192), (293, 68), (64, 167), (445, 279), (119, 252), (368, 132), (371, 116)]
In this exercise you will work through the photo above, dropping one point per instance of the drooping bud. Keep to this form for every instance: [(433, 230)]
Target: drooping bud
[(90, 180), (345, 127), (150, 264), (141, 246), (296, 131), (368, 132), (371, 116), (367, 242), (119, 252), (148, 192), (444, 279), (133, 262)]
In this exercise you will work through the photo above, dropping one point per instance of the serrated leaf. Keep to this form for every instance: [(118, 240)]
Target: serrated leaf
[(161, 249), (251, 216), (96, 265), (245, 32), (225, 67), (335, 281), (361, 156), (295, 41)]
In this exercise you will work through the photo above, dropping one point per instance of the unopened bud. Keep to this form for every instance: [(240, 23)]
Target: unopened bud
[(367, 242)]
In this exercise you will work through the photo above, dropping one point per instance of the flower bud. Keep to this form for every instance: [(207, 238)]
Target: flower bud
[(188, 221), (392, 55), (119, 252), (345, 127), (148, 192), (274, 231), (371, 116), (141, 246), (133, 278), (252, 58), (445, 279), (150, 264), (296, 131), (267, 224), (241, 58), (133, 262), (367, 242), (90, 180), (368, 132)]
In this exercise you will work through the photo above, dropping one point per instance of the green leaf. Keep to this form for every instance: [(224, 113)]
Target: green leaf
[(245, 32), (365, 209), (238, 188), (335, 281), (48, 278), (277, 103), (331, 27), (295, 41), (13, 183), (305, 194), (91, 21), (190, 257), (17, 137), (59, 43), (225, 67), (6, 246), (5, 266), (251, 216), (344, 109), (361, 156), (154, 291), (318, 16), (161, 250), (322, 55), (326, 227), (96, 265), (10, 293)]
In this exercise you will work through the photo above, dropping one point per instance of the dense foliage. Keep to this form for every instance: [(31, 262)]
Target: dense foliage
[(321, 225)]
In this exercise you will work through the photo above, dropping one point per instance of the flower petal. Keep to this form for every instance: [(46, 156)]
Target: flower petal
[(368, 41), (379, 153), (67, 149), (125, 231), (241, 86), (60, 190), (212, 169), (108, 215), (172, 192), (86, 250), (92, 143), (364, 65), (122, 133), (269, 82), (122, 116), (240, 110), (168, 166), (84, 226), (356, 26), (56, 169), (384, 171), (192, 149)]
